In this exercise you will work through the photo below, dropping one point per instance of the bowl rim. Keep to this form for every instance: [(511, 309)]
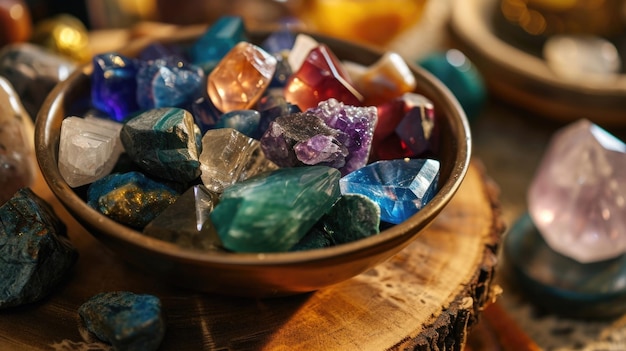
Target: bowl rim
[(46, 148)]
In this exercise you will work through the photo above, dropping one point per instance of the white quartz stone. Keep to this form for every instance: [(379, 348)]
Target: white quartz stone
[(88, 149)]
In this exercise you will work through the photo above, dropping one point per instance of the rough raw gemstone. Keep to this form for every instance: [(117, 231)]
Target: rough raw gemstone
[(114, 85), (400, 187), (301, 48), (63, 34), (458, 73), (229, 156), (33, 71), (353, 217), (303, 139), (189, 229), (241, 77), (386, 79), (36, 254), (577, 57), (168, 82), (88, 149), (577, 196), (130, 198), (218, 40), (244, 121), (407, 127), (205, 114), (17, 150), (355, 126), (271, 106), (127, 321), (273, 211), (165, 143), (321, 77)]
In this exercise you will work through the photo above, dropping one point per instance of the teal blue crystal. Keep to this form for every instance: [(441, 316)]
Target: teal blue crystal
[(400, 187), (271, 212), (217, 41)]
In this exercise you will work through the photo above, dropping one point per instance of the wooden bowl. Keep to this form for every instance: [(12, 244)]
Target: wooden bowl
[(262, 274)]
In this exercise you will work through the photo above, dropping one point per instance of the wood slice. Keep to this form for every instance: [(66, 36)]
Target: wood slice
[(425, 298)]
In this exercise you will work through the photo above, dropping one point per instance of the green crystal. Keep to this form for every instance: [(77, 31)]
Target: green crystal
[(273, 211)]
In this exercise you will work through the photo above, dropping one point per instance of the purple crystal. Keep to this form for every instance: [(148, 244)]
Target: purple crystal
[(355, 128), (279, 41), (577, 197), (114, 85), (400, 187)]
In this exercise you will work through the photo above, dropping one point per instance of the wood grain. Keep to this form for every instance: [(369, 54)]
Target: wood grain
[(425, 298)]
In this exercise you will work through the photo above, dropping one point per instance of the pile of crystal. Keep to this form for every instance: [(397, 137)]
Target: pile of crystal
[(229, 145), (577, 198)]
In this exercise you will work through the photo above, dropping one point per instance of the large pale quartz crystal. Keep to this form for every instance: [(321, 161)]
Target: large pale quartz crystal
[(88, 149), (577, 198)]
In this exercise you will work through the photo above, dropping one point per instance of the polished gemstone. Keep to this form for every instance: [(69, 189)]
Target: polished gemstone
[(17, 150), (36, 254), (400, 187), (168, 82), (114, 85), (355, 127), (459, 75), (228, 157), (126, 320), (241, 77), (130, 198), (218, 40), (244, 121), (577, 198), (407, 127), (165, 143), (273, 211), (576, 57), (321, 77), (303, 139), (64, 34), (88, 149), (181, 225), (33, 71), (386, 79), (205, 114), (302, 46)]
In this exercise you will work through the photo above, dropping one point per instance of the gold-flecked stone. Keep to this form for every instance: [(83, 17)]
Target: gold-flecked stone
[(64, 34)]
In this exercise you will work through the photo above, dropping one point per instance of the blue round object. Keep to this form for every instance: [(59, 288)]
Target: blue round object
[(458, 73)]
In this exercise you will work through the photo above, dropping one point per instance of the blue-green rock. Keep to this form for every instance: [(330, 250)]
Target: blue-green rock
[(217, 41), (273, 211), (35, 252), (164, 142), (130, 198), (128, 321)]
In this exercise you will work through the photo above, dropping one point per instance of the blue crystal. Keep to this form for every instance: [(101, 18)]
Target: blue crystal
[(165, 143), (35, 252), (244, 121), (272, 211), (218, 40), (168, 82), (205, 114), (400, 187), (130, 198), (126, 320), (114, 85), (279, 41)]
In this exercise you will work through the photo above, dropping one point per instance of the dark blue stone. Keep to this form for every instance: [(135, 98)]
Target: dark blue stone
[(35, 252), (130, 198), (244, 121), (205, 114), (127, 321), (279, 41), (114, 85), (168, 82), (272, 106), (282, 73), (218, 40)]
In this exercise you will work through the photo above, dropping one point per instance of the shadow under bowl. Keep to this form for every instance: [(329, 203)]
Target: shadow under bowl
[(256, 274)]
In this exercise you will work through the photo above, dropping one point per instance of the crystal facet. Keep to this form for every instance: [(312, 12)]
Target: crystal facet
[(165, 143), (241, 77), (400, 187), (273, 211), (35, 252), (229, 156), (17, 150), (126, 320), (114, 85), (577, 198), (168, 82), (88, 149), (216, 42)]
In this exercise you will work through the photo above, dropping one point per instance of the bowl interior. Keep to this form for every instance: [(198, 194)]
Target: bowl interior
[(263, 274)]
